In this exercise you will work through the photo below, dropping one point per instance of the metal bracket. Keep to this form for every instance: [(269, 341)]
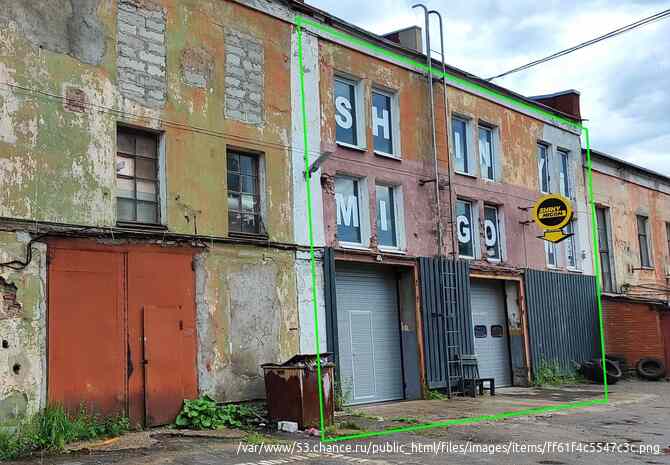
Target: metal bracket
[(316, 164)]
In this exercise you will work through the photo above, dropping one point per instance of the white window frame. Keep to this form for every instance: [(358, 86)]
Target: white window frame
[(359, 92), (474, 229), (399, 214), (395, 121), (548, 164), (363, 214), (560, 152), (550, 245), (500, 230), (495, 150), (575, 244), (469, 145)]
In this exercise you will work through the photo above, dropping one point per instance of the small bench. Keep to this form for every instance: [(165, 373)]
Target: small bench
[(476, 386)]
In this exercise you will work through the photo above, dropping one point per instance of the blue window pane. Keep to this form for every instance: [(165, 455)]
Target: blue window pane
[(345, 112), (460, 141), (382, 128), (346, 203), (386, 224)]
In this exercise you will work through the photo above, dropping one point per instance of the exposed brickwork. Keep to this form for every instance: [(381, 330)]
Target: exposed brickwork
[(244, 77), (632, 330), (141, 53), (9, 306), (75, 100)]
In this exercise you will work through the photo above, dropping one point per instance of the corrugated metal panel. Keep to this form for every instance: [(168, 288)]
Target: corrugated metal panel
[(445, 296), (562, 318), (369, 333), (330, 296)]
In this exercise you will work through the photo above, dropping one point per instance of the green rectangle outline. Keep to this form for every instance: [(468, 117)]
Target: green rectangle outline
[(300, 23)]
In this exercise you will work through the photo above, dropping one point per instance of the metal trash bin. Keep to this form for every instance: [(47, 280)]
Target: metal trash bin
[(292, 390)]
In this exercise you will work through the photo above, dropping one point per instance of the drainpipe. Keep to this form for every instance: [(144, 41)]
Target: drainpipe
[(440, 240), (447, 122)]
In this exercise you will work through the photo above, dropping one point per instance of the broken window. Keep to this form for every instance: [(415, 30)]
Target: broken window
[(244, 203), (137, 176)]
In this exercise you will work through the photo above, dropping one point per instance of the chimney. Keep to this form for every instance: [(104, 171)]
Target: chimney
[(566, 102), (410, 38)]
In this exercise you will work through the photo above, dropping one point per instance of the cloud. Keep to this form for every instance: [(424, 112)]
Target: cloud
[(624, 81)]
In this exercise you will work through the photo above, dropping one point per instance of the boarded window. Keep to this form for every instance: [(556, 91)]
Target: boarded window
[(137, 176)]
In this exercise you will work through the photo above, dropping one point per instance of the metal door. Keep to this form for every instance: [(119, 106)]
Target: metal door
[(368, 334), (87, 352), (489, 318), (163, 364), (163, 282)]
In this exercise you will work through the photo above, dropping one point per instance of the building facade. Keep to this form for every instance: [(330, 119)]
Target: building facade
[(633, 224), (147, 238)]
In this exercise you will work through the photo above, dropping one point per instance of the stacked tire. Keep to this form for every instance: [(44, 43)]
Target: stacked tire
[(593, 370), (650, 368)]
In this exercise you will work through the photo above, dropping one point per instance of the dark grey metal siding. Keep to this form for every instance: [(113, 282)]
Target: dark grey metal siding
[(330, 295), (562, 318), (443, 301)]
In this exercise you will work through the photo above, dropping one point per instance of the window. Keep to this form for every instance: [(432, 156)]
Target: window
[(137, 176), (604, 250), (244, 212), (486, 152), (497, 331), (550, 250), (389, 221), (347, 203), (465, 229), (543, 166), (459, 128), (491, 232), (349, 130), (480, 331), (564, 177), (643, 240), (571, 247), (667, 235), (384, 123)]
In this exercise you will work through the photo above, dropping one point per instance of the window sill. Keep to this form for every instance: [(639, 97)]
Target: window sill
[(133, 225), (574, 270), (468, 175), (388, 155), (353, 246), (466, 257), (647, 268), (358, 148), (392, 250), (252, 236)]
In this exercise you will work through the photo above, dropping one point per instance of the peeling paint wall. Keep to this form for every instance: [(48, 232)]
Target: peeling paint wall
[(49, 145), (247, 316), (627, 193), (22, 329)]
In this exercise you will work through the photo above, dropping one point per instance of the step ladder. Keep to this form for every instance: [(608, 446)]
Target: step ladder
[(454, 365)]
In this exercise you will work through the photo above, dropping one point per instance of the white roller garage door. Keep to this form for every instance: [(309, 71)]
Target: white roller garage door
[(490, 328), (368, 334)]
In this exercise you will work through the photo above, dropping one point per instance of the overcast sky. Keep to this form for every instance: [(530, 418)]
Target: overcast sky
[(624, 81)]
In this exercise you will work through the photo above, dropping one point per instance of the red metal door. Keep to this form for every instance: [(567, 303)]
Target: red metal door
[(665, 328), (86, 335), (161, 311), (163, 351)]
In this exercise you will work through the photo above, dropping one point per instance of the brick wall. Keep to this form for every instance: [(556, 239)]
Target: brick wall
[(632, 330)]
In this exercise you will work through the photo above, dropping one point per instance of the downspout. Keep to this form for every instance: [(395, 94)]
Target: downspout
[(438, 206), (447, 120)]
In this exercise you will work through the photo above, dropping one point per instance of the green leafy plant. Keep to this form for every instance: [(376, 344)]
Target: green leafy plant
[(406, 420), (52, 428), (550, 373), (342, 395), (205, 413), (434, 394)]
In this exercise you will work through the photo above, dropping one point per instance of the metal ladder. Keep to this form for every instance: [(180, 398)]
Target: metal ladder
[(454, 363)]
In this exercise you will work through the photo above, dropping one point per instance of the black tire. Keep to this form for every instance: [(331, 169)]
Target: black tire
[(614, 373), (650, 368), (623, 362)]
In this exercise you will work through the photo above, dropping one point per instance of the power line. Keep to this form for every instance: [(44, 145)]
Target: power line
[(650, 19)]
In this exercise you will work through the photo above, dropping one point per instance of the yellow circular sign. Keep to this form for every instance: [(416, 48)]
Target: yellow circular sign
[(552, 211)]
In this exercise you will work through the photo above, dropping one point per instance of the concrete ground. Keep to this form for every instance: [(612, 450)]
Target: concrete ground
[(637, 417)]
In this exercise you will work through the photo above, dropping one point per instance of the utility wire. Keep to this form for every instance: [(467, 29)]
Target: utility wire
[(650, 19)]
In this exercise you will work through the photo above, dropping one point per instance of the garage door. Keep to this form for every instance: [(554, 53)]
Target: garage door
[(368, 334), (490, 328)]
